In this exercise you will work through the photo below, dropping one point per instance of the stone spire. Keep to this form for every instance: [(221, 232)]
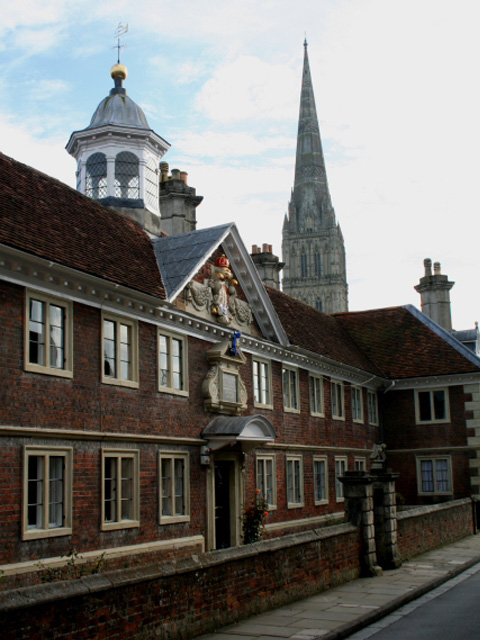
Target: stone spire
[(310, 163), (313, 248)]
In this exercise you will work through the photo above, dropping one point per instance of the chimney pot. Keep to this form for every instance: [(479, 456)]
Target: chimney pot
[(436, 268), (428, 266), (183, 176), (175, 174)]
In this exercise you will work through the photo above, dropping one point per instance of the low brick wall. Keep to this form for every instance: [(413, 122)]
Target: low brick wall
[(421, 529), (186, 598)]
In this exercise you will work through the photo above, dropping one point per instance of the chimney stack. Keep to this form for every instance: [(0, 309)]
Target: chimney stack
[(268, 265), (434, 292)]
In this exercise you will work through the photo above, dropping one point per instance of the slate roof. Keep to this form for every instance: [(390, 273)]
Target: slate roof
[(181, 256), (318, 332), (48, 219), (404, 343)]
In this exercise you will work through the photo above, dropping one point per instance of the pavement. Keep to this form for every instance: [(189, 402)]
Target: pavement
[(347, 610)]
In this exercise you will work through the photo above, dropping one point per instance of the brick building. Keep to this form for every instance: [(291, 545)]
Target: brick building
[(151, 383)]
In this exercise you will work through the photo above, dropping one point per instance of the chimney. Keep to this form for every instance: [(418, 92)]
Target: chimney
[(178, 202), (268, 265), (434, 293)]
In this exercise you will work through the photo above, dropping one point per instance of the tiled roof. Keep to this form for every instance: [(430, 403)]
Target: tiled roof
[(317, 332), (46, 218), (404, 343), (180, 256)]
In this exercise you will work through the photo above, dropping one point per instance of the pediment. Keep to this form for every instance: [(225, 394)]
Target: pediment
[(235, 298)]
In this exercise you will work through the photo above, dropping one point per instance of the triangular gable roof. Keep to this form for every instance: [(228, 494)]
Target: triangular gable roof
[(404, 343), (181, 256), (318, 332), (46, 218)]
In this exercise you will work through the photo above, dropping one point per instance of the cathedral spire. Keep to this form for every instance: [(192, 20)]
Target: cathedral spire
[(310, 163), (313, 249)]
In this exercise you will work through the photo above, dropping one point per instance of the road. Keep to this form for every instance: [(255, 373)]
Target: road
[(450, 612)]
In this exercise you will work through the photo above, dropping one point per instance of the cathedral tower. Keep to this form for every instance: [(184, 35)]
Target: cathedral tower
[(312, 244)]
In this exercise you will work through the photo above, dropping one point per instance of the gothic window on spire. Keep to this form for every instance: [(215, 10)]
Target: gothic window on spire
[(96, 176), (318, 264), (127, 176), (151, 183)]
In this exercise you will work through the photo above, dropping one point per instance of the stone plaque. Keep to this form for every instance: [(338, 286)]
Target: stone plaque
[(230, 387)]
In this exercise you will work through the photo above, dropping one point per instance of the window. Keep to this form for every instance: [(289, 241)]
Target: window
[(266, 479), (319, 305), (340, 469), (127, 176), (320, 480), (151, 184), (294, 482), (357, 404), (434, 475), (316, 395), (48, 347), (174, 487), (120, 360), (303, 265), (337, 400), (290, 389), (372, 407), (172, 359), (318, 264), (262, 383), (360, 464), (432, 406), (96, 176), (47, 490), (120, 492)]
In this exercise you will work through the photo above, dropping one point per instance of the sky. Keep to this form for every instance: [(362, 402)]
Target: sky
[(397, 92)]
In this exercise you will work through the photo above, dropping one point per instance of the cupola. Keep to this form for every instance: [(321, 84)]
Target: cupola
[(118, 156)]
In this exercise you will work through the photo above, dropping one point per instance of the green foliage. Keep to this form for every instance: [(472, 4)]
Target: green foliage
[(72, 569), (253, 521)]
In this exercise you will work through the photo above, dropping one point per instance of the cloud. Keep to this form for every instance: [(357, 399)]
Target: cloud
[(249, 88), (229, 145), (47, 154)]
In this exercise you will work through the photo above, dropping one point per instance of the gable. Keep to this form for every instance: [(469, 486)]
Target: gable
[(187, 263)]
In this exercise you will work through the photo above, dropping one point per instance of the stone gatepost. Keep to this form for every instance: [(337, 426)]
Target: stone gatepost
[(359, 509), (370, 503), (385, 516)]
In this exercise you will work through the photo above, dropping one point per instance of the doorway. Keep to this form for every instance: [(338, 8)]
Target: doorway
[(223, 513)]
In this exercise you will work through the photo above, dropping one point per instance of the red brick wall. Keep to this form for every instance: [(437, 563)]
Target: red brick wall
[(424, 528), (186, 599)]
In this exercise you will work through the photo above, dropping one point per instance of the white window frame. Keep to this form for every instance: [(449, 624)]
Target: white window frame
[(132, 325), (434, 460), (431, 393), (341, 466), (262, 369), (315, 389), (262, 461), (47, 367), (170, 386), (360, 464), (294, 462), (47, 530), (323, 459), (357, 404), (337, 391), (290, 388), (119, 455), (171, 458), (372, 401)]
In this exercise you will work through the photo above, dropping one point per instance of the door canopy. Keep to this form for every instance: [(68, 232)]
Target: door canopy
[(249, 432)]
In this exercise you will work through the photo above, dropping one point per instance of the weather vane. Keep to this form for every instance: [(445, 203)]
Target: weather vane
[(119, 32)]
